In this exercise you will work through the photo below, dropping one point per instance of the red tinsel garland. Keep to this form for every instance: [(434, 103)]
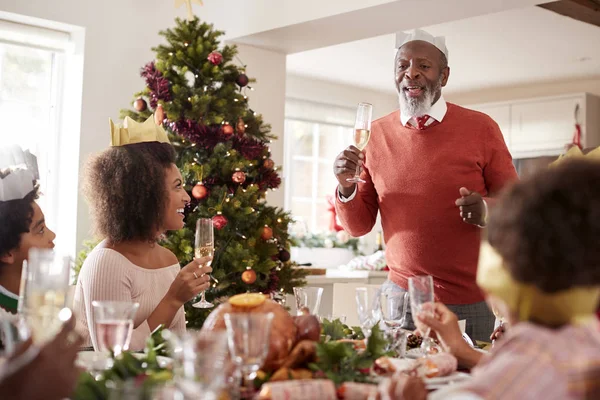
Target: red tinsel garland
[(157, 83)]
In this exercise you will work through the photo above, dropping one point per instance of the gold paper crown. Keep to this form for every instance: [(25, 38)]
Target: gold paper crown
[(134, 132), (529, 303), (576, 153)]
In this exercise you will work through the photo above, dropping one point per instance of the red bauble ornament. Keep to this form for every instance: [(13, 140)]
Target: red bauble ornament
[(238, 177), (268, 163), (284, 255), (199, 191), (159, 115), (219, 221), (215, 58), (227, 129), (249, 277), (140, 105), (242, 80), (267, 233)]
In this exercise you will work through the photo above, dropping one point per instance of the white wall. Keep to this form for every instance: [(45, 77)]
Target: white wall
[(268, 99), (305, 88), (591, 85)]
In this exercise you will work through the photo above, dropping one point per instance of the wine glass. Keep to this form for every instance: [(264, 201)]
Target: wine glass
[(44, 285), (362, 132), (248, 339), (367, 307), (113, 324), (420, 289), (308, 300), (393, 306), (204, 247), (203, 359)]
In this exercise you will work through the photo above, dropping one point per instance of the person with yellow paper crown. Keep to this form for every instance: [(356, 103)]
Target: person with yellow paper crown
[(22, 223), (540, 266), (136, 193)]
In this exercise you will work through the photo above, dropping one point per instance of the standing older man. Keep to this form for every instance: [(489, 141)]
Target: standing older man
[(429, 169)]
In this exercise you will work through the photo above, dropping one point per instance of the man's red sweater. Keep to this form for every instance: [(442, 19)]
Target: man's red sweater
[(413, 178)]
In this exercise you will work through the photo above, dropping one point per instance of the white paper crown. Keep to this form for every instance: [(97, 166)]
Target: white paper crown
[(16, 184), (18, 172), (419, 34)]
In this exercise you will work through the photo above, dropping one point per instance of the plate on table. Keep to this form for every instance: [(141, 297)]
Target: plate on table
[(431, 383), (99, 360)]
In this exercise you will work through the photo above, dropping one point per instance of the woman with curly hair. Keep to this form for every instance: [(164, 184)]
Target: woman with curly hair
[(540, 267), (136, 193), (22, 224)]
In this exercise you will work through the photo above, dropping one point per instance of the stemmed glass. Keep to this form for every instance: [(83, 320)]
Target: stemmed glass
[(44, 287), (362, 132), (393, 306), (308, 300), (203, 357), (248, 339), (204, 247), (420, 289), (113, 324), (367, 307)]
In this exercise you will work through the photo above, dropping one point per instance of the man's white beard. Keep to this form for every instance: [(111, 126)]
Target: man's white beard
[(415, 107), (418, 107)]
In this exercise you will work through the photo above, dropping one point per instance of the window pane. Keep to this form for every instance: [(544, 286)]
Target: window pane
[(303, 175), (302, 210), (327, 181), (301, 136), (323, 218), (332, 140), (26, 104)]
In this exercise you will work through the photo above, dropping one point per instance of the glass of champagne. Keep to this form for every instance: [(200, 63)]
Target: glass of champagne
[(45, 285), (420, 289), (362, 132), (308, 300), (114, 324), (204, 247)]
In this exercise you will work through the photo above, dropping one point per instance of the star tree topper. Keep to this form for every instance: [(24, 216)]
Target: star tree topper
[(188, 5)]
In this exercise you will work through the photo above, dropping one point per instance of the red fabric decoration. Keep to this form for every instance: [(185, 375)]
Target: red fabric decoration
[(334, 226)]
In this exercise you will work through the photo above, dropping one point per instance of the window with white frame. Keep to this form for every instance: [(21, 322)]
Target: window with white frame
[(33, 76), (314, 135)]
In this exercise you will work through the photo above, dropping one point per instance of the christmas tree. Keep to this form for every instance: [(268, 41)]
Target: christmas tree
[(198, 91)]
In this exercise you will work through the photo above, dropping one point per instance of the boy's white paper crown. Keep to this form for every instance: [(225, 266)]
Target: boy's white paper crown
[(18, 172)]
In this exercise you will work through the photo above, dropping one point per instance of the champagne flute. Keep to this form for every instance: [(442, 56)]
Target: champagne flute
[(204, 247), (362, 132), (45, 284), (420, 289), (393, 313)]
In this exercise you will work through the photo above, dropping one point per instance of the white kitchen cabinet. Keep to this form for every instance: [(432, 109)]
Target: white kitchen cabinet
[(543, 126)]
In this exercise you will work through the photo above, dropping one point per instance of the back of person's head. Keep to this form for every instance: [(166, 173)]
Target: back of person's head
[(547, 227), (126, 191)]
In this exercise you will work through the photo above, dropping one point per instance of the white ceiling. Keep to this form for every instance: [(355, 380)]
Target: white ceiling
[(515, 47)]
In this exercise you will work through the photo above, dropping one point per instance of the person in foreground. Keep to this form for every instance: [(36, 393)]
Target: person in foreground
[(541, 267), (22, 222), (48, 372), (136, 193), (431, 169)]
